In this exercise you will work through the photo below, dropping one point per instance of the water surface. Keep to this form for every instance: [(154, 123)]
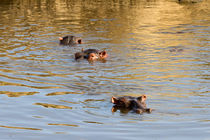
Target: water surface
[(159, 48)]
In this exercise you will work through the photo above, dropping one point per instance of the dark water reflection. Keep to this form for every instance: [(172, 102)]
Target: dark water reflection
[(158, 48)]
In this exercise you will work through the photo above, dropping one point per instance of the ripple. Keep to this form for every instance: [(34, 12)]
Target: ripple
[(61, 93), (15, 127), (53, 106), (30, 86), (61, 124), (17, 94), (69, 102), (152, 50), (93, 122)]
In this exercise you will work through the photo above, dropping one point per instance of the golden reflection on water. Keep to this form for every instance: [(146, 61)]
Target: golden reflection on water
[(61, 93), (53, 106), (14, 127), (93, 100), (36, 87), (61, 124), (140, 37), (68, 102), (17, 94), (93, 122), (146, 28)]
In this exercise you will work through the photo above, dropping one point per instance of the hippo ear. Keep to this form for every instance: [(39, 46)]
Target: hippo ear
[(142, 98), (79, 41), (114, 100), (103, 53)]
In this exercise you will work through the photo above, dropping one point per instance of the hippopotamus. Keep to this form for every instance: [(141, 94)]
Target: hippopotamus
[(70, 40), (91, 55), (129, 103)]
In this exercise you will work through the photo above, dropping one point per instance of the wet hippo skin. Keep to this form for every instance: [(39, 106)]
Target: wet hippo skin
[(70, 40), (91, 55), (129, 103)]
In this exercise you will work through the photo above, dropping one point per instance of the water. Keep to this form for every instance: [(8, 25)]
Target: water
[(158, 48)]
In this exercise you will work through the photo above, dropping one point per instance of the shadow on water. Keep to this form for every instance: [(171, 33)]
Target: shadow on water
[(156, 47)]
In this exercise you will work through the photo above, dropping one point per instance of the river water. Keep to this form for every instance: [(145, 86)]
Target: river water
[(159, 48)]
